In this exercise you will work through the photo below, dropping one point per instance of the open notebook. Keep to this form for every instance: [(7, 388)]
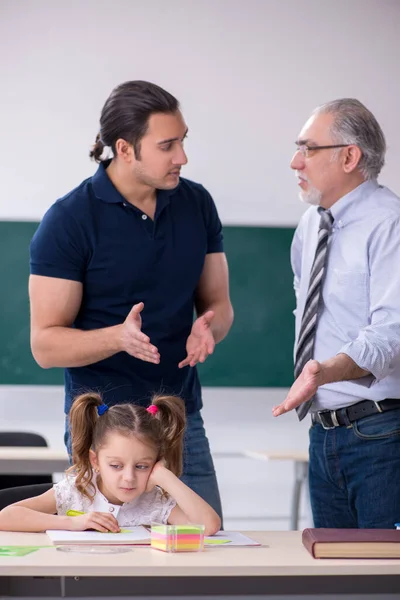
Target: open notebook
[(128, 536), (139, 536)]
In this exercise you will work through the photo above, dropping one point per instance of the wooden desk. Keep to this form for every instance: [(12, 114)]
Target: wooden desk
[(38, 461), (280, 566), (300, 461)]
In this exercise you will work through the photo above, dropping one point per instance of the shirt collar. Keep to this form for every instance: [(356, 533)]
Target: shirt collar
[(342, 209), (105, 190), (101, 504)]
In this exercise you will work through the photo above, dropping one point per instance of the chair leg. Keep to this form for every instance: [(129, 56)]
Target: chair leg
[(300, 477)]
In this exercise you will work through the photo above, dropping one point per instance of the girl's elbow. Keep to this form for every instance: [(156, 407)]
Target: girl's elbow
[(213, 526), (5, 521)]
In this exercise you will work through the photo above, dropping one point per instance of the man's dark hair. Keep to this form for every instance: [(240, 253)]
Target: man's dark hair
[(126, 115)]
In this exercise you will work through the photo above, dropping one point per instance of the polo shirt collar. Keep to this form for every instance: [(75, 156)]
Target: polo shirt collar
[(105, 190)]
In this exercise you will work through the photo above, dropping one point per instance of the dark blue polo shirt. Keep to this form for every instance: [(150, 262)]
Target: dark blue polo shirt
[(122, 257)]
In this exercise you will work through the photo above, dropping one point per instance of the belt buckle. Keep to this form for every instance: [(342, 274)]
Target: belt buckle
[(332, 414)]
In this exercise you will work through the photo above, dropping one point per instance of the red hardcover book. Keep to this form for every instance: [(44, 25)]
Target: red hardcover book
[(352, 543)]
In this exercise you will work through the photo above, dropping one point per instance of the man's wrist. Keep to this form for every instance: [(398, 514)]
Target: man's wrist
[(116, 338), (339, 368)]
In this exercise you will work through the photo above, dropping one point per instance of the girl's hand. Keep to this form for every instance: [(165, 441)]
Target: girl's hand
[(154, 478), (99, 521)]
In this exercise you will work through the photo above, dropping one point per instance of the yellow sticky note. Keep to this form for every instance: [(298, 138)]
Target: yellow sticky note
[(77, 513), (74, 513)]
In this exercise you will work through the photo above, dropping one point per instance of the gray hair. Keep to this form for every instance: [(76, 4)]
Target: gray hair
[(354, 124)]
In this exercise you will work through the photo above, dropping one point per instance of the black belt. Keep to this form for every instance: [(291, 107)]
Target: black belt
[(329, 419)]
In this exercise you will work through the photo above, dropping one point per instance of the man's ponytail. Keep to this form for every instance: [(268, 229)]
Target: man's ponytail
[(97, 150)]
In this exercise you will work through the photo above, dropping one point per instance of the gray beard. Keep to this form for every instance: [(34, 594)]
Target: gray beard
[(313, 196)]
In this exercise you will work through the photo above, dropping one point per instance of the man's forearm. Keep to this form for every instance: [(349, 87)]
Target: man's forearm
[(69, 347), (340, 368), (222, 321), (314, 374)]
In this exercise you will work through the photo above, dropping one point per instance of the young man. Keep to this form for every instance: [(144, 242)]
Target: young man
[(119, 265), (345, 257)]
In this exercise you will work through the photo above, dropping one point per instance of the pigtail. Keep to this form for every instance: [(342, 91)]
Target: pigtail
[(83, 419), (97, 150), (171, 416)]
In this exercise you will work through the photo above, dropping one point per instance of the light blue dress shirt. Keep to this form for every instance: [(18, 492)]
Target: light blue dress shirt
[(360, 308)]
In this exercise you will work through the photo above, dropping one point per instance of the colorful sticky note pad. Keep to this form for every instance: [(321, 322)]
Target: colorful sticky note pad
[(177, 538)]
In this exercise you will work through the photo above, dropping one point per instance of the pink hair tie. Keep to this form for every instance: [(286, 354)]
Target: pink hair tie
[(152, 409)]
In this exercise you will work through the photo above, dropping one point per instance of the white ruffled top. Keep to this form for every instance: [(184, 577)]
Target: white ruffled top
[(150, 507)]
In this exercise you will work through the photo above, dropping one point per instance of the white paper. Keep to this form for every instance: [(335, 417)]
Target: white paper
[(235, 539), (130, 535)]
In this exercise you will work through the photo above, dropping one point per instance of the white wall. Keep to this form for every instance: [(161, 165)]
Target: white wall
[(247, 73)]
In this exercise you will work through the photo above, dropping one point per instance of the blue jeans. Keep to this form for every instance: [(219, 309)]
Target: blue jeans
[(198, 467), (354, 473)]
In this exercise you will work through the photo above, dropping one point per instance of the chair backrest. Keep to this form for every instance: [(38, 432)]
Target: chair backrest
[(22, 438), (16, 494)]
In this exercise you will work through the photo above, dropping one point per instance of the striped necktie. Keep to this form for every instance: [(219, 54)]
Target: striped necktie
[(306, 339)]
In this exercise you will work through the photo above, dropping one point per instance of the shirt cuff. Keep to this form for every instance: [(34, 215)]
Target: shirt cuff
[(358, 352)]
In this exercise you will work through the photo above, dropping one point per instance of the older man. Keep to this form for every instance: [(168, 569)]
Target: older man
[(345, 258)]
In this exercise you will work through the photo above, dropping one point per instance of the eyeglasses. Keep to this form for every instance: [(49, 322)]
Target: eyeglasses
[(306, 150)]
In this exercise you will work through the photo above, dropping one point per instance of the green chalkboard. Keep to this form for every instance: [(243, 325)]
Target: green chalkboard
[(257, 351)]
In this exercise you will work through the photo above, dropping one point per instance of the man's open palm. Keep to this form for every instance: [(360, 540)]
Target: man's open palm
[(302, 390), (200, 342)]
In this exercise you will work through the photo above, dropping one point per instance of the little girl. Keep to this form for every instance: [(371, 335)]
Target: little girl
[(126, 464)]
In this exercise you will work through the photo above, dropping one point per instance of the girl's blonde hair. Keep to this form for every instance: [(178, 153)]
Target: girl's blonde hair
[(163, 428)]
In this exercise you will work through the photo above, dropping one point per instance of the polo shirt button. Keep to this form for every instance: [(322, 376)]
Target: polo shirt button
[(111, 509), (144, 217)]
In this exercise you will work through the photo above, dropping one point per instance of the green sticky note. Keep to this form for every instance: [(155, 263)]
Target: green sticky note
[(215, 541), (18, 550), (178, 529), (189, 529)]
